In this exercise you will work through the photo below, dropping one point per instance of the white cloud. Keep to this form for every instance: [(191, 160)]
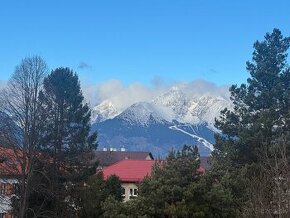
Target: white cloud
[(202, 87), (122, 96)]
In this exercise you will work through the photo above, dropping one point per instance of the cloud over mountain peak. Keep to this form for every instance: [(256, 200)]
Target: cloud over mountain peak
[(122, 96)]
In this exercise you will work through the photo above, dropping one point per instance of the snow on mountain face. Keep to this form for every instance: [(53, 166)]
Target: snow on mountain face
[(194, 136), (169, 106), (205, 109), (175, 100), (143, 112), (192, 109), (104, 111)]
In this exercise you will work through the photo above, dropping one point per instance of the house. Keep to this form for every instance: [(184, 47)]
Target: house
[(111, 156), (9, 173), (131, 173)]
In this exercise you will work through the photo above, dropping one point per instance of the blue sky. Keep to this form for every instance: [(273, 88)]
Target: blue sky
[(139, 40)]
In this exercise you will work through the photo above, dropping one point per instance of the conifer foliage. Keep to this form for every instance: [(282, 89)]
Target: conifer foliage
[(66, 139), (253, 149), (261, 106), (67, 116), (176, 189)]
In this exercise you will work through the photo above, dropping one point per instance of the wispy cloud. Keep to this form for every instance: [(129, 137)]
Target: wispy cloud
[(213, 71), (84, 65), (119, 94), (202, 87)]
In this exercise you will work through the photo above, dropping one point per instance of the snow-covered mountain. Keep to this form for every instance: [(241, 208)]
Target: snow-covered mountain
[(142, 113), (169, 120), (195, 109), (104, 111)]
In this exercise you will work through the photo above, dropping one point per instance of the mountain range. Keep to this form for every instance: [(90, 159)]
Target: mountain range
[(169, 120)]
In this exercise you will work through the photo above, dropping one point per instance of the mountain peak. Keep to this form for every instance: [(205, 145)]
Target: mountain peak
[(105, 110), (143, 113)]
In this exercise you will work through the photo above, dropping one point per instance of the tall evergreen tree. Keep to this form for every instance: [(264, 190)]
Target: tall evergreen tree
[(261, 107), (66, 138), (163, 193), (177, 189), (95, 193), (254, 139)]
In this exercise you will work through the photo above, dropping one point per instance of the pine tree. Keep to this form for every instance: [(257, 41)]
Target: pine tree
[(163, 192), (95, 193), (66, 138), (177, 189), (261, 107), (253, 146)]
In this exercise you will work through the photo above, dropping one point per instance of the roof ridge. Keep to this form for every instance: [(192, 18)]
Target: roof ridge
[(125, 151), (118, 162)]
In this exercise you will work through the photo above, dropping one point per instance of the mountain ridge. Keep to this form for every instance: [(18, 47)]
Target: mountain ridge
[(167, 121)]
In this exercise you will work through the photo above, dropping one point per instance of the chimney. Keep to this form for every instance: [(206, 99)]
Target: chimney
[(123, 148), (113, 149)]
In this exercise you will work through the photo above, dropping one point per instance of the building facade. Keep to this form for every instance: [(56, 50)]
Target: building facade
[(131, 173), (9, 173)]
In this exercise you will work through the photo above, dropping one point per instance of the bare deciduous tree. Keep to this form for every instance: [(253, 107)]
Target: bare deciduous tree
[(19, 100), (269, 186)]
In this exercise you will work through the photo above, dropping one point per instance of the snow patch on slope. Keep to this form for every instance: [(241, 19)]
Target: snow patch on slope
[(199, 139)]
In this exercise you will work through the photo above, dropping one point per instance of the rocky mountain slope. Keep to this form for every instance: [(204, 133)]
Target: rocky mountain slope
[(168, 121)]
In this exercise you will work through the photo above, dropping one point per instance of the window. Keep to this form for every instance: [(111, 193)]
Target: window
[(133, 193), (15, 188), (2, 160), (3, 189), (2, 215), (123, 192)]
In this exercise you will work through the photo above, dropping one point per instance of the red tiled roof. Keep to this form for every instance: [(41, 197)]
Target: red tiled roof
[(130, 170), (134, 170), (13, 159), (10, 161)]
